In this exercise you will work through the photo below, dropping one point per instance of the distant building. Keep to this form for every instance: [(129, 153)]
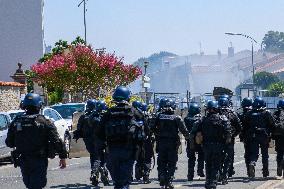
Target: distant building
[(21, 34)]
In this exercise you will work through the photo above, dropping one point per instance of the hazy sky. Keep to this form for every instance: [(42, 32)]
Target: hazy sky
[(138, 28)]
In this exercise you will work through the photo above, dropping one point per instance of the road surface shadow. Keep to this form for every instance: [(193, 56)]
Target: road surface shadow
[(75, 186), (246, 179)]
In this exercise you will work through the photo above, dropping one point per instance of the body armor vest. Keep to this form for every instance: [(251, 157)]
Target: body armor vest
[(167, 126), (213, 129), (29, 135)]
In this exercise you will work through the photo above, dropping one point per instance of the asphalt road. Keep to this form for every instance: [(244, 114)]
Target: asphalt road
[(76, 175)]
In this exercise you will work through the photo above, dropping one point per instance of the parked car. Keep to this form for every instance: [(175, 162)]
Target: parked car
[(55, 117), (61, 125), (5, 120), (14, 113), (67, 111)]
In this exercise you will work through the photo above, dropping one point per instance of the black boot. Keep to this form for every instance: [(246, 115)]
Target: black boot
[(190, 177), (94, 178), (104, 176), (200, 173), (170, 184), (146, 178), (279, 170), (252, 170), (265, 172)]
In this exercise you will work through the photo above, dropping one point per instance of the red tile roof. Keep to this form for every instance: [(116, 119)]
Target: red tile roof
[(12, 84)]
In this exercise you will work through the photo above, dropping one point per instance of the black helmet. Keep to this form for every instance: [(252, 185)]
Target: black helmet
[(280, 104), (258, 103), (212, 105), (144, 107), (194, 109), (101, 106), (137, 104), (223, 102), (121, 93), (246, 102), (91, 104), (224, 96), (162, 102), (32, 100)]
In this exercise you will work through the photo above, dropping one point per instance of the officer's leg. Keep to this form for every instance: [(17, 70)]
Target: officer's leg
[(102, 169), (37, 172), (200, 161), (126, 167), (253, 147), (25, 167), (191, 163), (139, 166), (89, 143), (216, 161), (264, 145), (172, 162), (113, 164), (148, 160), (246, 156), (208, 165), (162, 164), (232, 159)]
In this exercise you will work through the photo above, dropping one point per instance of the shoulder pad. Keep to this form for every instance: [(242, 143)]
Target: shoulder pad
[(223, 118), (42, 119)]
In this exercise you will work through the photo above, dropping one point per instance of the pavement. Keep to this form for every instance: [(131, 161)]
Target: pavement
[(76, 175)]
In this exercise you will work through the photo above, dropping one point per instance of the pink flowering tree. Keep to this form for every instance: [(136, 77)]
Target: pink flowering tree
[(78, 68)]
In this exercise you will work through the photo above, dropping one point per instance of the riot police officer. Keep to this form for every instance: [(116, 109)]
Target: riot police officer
[(246, 106), (216, 132), (35, 138), (140, 151), (166, 128), (192, 117), (99, 167), (258, 124), (278, 136), (120, 130), (85, 131), (227, 168)]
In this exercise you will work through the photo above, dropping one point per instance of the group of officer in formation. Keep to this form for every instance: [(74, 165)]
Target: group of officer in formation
[(122, 137)]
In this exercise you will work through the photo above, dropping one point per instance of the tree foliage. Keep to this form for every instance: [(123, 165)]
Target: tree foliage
[(79, 68), (275, 89), (273, 41), (264, 79)]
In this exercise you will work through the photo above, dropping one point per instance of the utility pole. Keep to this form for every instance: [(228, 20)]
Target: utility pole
[(252, 57), (145, 87), (85, 24)]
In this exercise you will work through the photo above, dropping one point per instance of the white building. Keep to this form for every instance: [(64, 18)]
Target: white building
[(21, 34)]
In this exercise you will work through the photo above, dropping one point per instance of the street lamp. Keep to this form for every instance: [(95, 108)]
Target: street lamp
[(252, 58), (145, 87), (85, 24)]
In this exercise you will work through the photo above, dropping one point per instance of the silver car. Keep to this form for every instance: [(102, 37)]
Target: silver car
[(5, 120)]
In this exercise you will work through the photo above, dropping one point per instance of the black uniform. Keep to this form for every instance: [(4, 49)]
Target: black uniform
[(34, 137), (278, 136), (166, 129), (189, 122), (120, 131), (229, 152), (86, 131), (99, 165), (258, 125), (216, 131), (243, 137), (144, 152)]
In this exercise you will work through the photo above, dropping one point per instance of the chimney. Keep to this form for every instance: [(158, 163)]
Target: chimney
[(231, 50)]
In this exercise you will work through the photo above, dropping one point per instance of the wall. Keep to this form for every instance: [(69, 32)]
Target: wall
[(21, 35), (9, 98)]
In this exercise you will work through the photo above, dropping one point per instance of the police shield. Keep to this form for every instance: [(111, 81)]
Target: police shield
[(77, 149)]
